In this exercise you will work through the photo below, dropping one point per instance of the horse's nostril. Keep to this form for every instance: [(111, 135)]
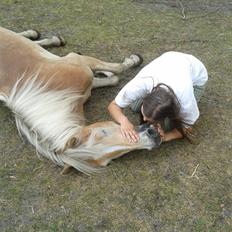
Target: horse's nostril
[(142, 127), (151, 132), (154, 134)]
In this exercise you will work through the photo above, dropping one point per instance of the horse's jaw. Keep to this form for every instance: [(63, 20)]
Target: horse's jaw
[(115, 145)]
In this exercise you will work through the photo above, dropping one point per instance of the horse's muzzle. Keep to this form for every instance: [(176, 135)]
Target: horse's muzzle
[(151, 132)]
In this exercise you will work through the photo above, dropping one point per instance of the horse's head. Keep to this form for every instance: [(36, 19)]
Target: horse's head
[(103, 141)]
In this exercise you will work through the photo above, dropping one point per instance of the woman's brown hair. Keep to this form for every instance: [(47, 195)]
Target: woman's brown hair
[(162, 103)]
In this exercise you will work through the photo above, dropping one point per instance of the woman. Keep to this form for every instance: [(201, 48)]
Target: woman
[(166, 91)]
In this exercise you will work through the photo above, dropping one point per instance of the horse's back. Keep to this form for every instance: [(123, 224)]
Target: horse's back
[(17, 56), (17, 44)]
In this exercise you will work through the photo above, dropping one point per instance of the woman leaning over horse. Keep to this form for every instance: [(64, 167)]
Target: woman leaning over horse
[(166, 92)]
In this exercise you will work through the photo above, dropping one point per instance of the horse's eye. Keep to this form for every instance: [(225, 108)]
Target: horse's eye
[(100, 134), (104, 132)]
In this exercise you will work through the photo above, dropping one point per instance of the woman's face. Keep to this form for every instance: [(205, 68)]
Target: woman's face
[(146, 119)]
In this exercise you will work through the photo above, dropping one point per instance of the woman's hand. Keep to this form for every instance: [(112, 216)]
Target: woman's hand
[(171, 135), (128, 132), (127, 128), (161, 132)]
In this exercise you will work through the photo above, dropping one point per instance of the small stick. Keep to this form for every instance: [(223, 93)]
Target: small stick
[(182, 10), (193, 174), (32, 209)]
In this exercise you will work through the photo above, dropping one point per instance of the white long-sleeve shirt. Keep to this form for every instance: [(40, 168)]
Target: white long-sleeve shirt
[(177, 70)]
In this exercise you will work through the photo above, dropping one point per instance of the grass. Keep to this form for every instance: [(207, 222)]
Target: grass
[(142, 191)]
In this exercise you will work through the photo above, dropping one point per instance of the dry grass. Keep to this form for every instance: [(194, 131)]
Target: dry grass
[(143, 191)]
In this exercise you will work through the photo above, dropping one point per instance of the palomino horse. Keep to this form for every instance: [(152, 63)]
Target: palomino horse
[(46, 93)]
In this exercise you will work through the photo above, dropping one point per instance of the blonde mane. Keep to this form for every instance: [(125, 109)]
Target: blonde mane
[(48, 120), (45, 117)]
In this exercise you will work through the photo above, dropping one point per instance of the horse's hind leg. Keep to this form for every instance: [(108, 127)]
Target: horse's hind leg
[(55, 41), (30, 34)]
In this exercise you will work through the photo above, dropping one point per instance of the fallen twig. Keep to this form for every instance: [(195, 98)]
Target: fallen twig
[(194, 173), (182, 10)]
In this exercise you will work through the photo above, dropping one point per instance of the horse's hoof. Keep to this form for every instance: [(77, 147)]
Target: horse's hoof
[(37, 34), (138, 59), (57, 41), (62, 40), (31, 34)]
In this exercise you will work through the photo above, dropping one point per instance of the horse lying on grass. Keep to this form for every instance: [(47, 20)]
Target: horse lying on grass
[(46, 93)]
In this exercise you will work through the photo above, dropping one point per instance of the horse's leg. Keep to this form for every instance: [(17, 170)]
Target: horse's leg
[(55, 41), (30, 34), (108, 69), (109, 79), (99, 65)]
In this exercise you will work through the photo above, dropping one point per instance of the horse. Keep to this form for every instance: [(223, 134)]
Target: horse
[(46, 94)]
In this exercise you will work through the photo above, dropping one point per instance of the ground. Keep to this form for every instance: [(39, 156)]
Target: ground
[(178, 187)]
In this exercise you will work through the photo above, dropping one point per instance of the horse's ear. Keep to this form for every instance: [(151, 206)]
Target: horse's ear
[(76, 141), (72, 142)]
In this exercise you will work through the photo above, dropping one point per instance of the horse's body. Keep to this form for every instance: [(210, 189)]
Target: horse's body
[(47, 92)]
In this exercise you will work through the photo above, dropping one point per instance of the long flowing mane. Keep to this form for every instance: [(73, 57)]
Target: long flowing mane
[(45, 117)]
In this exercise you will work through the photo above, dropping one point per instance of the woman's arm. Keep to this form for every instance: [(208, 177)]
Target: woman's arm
[(127, 128), (171, 135), (174, 134)]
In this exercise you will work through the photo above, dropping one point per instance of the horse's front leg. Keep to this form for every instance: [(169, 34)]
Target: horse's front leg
[(105, 69), (108, 70), (97, 65), (117, 68), (106, 79)]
